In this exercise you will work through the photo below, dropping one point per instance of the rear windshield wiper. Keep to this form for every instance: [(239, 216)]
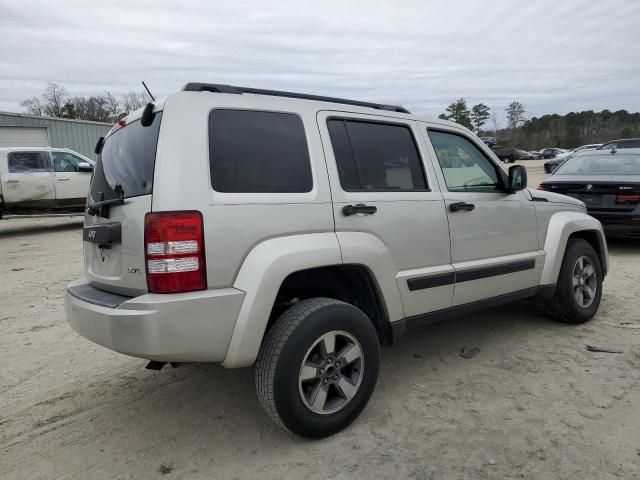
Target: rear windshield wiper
[(98, 208)]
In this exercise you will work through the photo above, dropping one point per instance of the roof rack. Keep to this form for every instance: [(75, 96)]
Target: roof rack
[(218, 88)]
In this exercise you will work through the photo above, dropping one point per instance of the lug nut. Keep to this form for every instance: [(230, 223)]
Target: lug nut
[(325, 381), (335, 377), (337, 364), (321, 371)]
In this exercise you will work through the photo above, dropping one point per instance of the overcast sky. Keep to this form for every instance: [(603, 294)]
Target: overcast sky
[(554, 56)]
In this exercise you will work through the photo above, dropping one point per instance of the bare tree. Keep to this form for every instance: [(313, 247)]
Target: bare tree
[(496, 124), (32, 105), (55, 96), (133, 100)]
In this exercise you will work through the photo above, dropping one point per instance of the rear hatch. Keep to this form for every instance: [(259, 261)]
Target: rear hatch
[(119, 198)]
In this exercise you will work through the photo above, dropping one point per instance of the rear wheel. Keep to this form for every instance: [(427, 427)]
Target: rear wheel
[(579, 288), (317, 367)]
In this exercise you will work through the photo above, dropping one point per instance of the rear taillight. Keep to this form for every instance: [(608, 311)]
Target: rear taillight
[(174, 252), (628, 198), (542, 187)]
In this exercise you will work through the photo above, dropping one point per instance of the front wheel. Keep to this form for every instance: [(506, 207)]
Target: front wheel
[(579, 288), (317, 367)]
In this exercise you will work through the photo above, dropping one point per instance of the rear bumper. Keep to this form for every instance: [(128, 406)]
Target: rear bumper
[(619, 225), (181, 327)]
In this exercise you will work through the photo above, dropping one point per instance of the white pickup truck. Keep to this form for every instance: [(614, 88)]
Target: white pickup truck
[(43, 181)]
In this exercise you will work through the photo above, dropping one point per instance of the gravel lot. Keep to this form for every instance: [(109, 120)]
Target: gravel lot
[(533, 403)]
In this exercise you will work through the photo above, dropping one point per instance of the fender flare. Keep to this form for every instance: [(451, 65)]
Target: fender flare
[(260, 276), (270, 262), (561, 226)]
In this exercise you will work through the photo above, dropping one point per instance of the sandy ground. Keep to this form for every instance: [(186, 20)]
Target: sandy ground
[(533, 403)]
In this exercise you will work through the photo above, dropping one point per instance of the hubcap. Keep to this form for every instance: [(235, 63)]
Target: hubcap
[(584, 282), (331, 372)]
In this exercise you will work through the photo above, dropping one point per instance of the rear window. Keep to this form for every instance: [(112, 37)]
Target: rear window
[(258, 152), (127, 162), (618, 164), (375, 156), (19, 162)]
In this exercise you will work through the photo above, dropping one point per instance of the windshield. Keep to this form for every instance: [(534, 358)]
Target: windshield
[(618, 164), (125, 167)]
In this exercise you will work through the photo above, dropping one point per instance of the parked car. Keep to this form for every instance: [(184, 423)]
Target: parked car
[(608, 184), (620, 143), (551, 165), (552, 152), (510, 155), (43, 180), (239, 226)]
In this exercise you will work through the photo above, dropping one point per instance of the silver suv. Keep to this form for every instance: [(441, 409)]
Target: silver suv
[(300, 233)]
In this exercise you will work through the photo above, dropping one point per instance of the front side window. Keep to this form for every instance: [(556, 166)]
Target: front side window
[(375, 156), (258, 152), (65, 162), (23, 162), (464, 166)]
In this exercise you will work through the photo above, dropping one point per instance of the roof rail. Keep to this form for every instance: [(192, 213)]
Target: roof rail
[(218, 88)]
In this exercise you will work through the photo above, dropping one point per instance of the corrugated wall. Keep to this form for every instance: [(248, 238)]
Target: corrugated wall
[(74, 134)]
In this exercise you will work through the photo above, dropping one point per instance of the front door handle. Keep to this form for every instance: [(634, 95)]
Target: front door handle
[(461, 206), (11, 181), (349, 210), (63, 179)]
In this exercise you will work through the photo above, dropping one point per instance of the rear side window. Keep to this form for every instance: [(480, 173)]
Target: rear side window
[(258, 152), (375, 156), (127, 161), (20, 162)]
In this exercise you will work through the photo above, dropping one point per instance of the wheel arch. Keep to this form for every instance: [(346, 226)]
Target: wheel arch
[(562, 227), (266, 269)]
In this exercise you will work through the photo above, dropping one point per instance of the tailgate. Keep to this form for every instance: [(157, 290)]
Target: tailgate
[(120, 197)]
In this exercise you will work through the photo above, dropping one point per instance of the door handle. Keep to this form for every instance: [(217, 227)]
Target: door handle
[(11, 181), (63, 179), (461, 206), (349, 210)]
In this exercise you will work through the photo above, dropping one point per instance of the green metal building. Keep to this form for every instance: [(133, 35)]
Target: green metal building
[(19, 130)]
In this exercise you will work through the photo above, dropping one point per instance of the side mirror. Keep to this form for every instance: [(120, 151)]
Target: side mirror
[(517, 179), (84, 167)]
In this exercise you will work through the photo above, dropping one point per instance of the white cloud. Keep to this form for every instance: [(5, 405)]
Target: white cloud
[(553, 56)]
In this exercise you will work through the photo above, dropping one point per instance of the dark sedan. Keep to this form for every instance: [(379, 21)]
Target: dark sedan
[(609, 185)]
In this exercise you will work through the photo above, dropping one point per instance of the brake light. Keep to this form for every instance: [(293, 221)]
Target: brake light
[(628, 198), (542, 187), (174, 252)]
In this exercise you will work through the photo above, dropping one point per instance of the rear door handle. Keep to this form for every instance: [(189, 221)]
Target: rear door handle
[(63, 179), (11, 181), (349, 210), (461, 206)]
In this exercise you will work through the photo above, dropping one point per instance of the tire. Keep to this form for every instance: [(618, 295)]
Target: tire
[(298, 338), (566, 305)]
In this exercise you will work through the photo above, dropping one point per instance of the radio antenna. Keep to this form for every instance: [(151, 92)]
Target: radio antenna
[(148, 91)]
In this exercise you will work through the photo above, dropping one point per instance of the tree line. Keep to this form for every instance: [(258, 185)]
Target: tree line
[(56, 101), (553, 130)]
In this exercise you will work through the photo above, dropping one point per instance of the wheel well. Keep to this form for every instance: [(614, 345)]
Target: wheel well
[(353, 284), (592, 238)]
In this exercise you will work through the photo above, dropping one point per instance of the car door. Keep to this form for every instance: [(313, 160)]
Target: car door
[(71, 184), (494, 239), (389, 213), (27, 183)]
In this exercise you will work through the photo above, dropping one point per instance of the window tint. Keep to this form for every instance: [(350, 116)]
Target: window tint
[(65, 162), (464, 166), (258, 152), (375, 156), (20, 162), (127, 161)]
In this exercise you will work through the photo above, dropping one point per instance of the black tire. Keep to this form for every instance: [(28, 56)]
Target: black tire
[(564, 306), (286, 346)]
